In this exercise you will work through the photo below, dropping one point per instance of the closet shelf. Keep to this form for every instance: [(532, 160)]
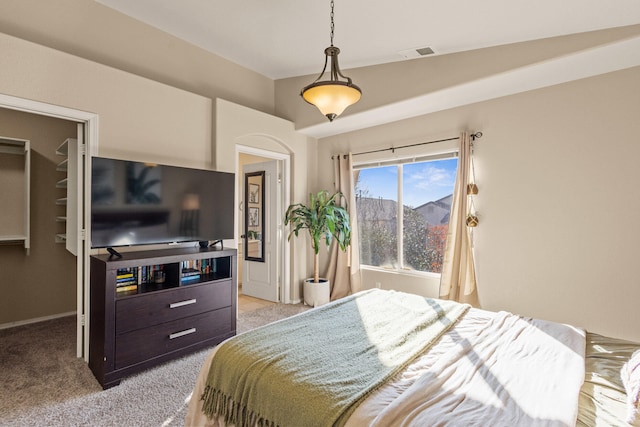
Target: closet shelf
[(16, 183), (13, 238), (62, 166), (71, 183), (63, 149)]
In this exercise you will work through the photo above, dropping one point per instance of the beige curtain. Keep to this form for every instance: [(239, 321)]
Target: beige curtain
[(458, 279), (344, 267)]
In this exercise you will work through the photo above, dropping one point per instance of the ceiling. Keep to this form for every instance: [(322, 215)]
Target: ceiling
[(285, 38)]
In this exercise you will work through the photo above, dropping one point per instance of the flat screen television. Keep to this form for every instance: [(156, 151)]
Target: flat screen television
[(135, 203)]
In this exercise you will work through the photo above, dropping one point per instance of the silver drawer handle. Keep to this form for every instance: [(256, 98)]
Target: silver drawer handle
[(182, 333), (181, 303)]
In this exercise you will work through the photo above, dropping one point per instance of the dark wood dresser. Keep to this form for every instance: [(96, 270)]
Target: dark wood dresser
[(153, 306)]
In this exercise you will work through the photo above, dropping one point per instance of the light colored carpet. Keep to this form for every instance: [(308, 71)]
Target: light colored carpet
[(42, 383)]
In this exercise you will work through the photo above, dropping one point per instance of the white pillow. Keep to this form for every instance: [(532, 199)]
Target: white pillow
[(630, 375)]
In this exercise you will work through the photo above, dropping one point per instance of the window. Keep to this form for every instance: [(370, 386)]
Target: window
[(403, 213)]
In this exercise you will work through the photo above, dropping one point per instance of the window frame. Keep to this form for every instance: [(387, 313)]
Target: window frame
[(448, 152)]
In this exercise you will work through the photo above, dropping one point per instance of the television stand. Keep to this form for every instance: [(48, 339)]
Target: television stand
[(149, 307)]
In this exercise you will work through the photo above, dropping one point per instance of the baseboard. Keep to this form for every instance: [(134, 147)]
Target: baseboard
[(36, 320)]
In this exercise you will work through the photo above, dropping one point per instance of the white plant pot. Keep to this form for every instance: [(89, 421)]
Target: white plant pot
[(316, 294)]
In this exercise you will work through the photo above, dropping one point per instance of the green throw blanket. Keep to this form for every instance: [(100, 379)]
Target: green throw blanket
[(313, 369)]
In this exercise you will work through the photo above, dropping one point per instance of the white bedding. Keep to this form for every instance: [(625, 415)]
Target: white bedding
[(490, 369)]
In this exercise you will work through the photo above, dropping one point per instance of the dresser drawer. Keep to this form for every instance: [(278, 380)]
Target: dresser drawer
[(141, 345), (150, 309)]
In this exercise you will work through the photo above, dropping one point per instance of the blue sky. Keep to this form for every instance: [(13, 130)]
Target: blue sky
[(423, 182)]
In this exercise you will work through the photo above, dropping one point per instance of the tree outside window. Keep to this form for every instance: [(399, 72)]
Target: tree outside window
[(420, 195)]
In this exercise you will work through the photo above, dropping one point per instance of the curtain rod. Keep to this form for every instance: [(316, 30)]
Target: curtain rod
[(473, 136)]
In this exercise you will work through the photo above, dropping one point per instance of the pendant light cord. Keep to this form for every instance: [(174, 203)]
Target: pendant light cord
[(332, 25)]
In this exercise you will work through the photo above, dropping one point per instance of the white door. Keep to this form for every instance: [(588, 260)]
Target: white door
[(261, 216), (75, 227)]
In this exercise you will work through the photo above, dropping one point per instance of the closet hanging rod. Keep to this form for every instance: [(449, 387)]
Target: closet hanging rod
[(473, 136)]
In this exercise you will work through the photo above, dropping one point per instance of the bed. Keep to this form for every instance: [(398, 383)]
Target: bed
[(385, 358)]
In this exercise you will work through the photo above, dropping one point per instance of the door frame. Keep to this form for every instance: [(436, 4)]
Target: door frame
[(285, 186), (90, 122)]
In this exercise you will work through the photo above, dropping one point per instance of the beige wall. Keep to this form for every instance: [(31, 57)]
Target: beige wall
[(42, 283), (89, 30), (138, 118), (557, 172)]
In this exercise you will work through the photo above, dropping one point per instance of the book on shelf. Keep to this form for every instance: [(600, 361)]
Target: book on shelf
[(127, 288), (126, 277), (127, 282), (190, 272), (146, 273)]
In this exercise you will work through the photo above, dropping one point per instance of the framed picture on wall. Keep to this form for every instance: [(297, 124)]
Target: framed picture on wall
[(254, 193), (254, 217)]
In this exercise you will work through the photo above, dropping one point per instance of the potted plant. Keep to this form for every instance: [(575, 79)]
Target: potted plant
[(326, 220)]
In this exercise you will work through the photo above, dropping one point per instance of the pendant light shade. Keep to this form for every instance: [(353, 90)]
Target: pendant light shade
[(331, 96)]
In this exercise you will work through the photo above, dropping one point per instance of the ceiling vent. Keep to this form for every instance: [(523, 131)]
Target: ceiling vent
[(416, 52)]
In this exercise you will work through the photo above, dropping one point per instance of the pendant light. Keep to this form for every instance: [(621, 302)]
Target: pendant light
[(331, 96)]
